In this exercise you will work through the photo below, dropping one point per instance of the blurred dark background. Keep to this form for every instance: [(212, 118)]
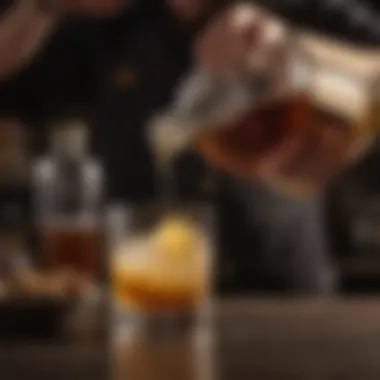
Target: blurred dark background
[(352, 202)]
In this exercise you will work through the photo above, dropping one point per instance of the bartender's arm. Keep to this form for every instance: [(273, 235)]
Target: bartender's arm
[(24, 28), (43, 65)]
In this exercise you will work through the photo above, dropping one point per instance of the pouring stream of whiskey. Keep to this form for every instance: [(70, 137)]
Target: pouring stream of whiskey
[(165, 177), (168, 140)]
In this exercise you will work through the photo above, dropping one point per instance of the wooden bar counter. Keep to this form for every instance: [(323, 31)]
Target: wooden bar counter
[(282, 339)]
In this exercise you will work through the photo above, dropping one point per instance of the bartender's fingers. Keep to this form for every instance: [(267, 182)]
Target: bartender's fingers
[(226, 41), (312, 158), (327, 155), (328, 158), (273, 163), (242, 38)]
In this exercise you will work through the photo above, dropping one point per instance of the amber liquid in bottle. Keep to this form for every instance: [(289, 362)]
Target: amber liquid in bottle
[(68, 201), (70, 247), (255, 134)]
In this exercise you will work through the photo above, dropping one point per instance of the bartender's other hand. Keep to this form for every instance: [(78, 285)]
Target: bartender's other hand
[(307, 161), (241, 37)]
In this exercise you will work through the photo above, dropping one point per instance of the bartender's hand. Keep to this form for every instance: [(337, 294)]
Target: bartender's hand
[(245, 38)]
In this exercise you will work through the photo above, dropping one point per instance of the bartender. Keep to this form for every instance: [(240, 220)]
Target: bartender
[(121, 61)]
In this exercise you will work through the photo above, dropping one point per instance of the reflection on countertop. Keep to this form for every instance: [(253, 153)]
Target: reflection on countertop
[(282, 339)]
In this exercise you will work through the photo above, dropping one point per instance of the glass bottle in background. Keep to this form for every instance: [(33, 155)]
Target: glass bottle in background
[(14, 257), (13, 152), (68, 185), (15, 197)]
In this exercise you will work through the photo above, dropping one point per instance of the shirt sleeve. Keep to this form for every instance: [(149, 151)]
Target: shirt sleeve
[(58, 78)]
